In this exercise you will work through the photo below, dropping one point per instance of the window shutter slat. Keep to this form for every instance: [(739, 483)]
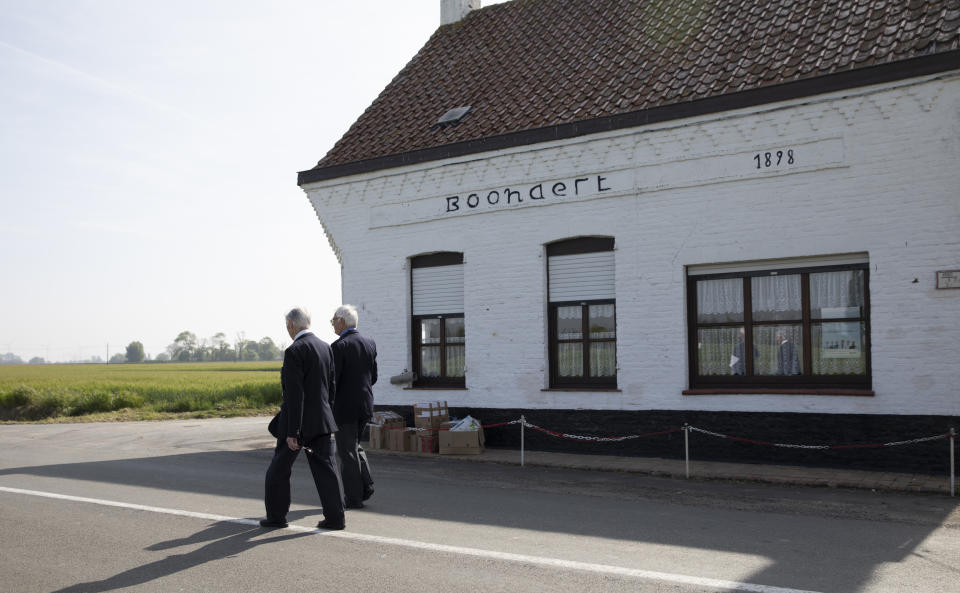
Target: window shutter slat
[(582, 277), (437, 290)]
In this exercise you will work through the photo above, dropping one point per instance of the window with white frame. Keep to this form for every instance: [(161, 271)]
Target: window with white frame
[(791, 324), (582, 313), (439, 336)]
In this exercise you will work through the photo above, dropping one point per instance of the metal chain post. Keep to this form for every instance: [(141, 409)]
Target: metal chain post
[(953, 444), (523, 426), (686, 446)]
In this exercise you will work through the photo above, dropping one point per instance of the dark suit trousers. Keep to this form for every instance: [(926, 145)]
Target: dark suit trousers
[(323, 466), (354, 468)]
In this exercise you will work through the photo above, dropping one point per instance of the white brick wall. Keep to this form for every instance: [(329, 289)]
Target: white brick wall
[(892, 191)]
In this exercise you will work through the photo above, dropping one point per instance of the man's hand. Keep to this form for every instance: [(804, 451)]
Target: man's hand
[(293, 444)]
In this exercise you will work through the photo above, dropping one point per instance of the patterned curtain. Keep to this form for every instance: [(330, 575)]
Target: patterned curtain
[(603, 359), (776, 297), (720, 351), (720, 301), (456, 361), (838, 348), (570, 360), (429, 362)]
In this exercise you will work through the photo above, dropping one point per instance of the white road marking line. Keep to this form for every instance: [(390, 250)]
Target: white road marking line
[(474, 552)]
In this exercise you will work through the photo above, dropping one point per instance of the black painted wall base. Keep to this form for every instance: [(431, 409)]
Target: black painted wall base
[(931, 457)]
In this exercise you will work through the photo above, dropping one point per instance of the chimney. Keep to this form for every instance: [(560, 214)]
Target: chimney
[(452, 11)]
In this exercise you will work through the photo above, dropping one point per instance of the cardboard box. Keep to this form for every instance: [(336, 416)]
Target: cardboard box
[(427, 442), (378, 439), (461, 442), (380, 427), (430, 414), (388, 419), (413, 439), (397, 439)]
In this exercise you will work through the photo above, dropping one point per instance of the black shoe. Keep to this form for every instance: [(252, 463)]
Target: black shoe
[(367, 493), (272, 524), (353, 505), (327, 524)]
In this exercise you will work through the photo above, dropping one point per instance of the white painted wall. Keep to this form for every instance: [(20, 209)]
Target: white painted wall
[(876, 170)]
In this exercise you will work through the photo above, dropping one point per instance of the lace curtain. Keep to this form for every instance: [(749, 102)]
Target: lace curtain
[(602, 322), (720, 301), (838, 346), (776, 297), (778, 350), (836, 294), (456, 361), (429, 362), (570, 360), (603, 359), (720, 352), (570, 323), (603, 355)]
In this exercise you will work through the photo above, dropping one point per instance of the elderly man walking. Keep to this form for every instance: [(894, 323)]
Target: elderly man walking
[(355, 358), (305, 421)]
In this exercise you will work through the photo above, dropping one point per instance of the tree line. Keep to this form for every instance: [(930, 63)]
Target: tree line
[(186, 347), (11, 358)]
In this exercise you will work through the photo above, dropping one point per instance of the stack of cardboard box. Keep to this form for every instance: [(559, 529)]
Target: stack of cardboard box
[(382, 426), (427, 417), (462, 437), (433, 431)]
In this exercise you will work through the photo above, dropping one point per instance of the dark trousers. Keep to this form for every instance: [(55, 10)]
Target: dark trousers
[(323, 466), (354, 469)]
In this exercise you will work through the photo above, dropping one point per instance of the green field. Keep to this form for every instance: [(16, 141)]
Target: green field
[(80, 392)]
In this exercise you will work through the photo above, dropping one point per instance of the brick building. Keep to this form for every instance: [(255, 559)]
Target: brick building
[(618, 216)]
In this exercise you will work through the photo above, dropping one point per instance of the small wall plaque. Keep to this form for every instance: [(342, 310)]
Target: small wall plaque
[(948, 279)]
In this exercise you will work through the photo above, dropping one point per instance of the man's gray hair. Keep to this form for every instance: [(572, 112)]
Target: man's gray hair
[(299, 318), (349, 315)]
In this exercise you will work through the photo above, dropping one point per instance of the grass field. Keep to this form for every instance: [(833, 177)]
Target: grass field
[(82, 392)]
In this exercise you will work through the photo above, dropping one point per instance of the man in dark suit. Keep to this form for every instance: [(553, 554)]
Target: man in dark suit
[(355, 358), (305, 421), (788, 361)]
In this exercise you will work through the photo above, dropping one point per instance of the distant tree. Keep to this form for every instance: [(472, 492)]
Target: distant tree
[(268, 349), (135, 352), (220, 349), (10, 358), (119, 357), (184, 347), (238, 344), (187, 347), (249, 351), (96, 359), (37, 360), (202, 350)]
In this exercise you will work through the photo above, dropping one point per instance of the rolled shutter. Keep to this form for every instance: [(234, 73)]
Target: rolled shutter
[(582, 277), (438, 290), (778, 264)]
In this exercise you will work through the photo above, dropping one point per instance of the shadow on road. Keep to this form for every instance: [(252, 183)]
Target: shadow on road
[(857, 531), (224, 540)]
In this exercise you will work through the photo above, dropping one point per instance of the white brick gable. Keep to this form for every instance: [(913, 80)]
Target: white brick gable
[(875, 170)]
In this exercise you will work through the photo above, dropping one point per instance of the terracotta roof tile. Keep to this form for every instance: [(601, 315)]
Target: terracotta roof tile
[(530, 64)]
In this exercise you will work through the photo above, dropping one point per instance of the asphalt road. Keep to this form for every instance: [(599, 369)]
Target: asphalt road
[(173, 506)]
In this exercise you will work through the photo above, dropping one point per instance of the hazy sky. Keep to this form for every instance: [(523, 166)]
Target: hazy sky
[(148, 160)]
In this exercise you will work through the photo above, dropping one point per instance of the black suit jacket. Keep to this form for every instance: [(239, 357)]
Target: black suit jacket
[(355, 358), (788, 362), (309, 389)]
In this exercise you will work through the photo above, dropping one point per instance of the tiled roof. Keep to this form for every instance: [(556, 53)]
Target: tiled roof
[(530, 64)]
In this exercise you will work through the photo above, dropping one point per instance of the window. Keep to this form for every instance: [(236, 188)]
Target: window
[(582, 313), (439, 337), (797, 324)]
